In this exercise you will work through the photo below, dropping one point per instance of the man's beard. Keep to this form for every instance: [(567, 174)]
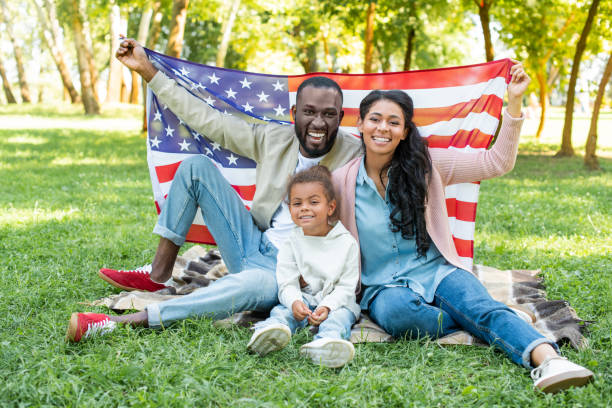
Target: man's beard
[(315, 152)]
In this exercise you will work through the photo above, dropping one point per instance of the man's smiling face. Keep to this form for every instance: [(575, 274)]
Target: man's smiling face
[(317, 113)]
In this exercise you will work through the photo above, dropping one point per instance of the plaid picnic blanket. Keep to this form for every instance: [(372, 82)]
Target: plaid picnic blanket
[(519, 289)]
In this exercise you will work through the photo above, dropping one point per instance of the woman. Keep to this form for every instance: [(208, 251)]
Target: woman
[(414, 282)]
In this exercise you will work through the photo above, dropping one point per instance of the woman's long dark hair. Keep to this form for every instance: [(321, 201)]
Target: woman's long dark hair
[(409, 172)]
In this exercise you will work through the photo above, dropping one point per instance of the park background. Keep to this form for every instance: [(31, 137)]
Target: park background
[(77, 196)]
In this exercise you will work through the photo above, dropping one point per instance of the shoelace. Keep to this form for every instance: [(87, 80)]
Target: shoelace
[(103, 326), (146, 269), (536, 373)]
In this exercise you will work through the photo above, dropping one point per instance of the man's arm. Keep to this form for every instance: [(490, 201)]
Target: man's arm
[(232, 133)]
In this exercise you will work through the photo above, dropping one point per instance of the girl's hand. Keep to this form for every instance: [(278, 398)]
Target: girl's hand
[(319, 315), (300, 310), (519, 81)]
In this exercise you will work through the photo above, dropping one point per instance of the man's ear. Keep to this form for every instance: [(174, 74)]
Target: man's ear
[(293, 111), (340, 116)]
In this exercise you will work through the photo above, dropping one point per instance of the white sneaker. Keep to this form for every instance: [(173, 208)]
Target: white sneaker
[(558, 373), (269, 338), (329, 352)]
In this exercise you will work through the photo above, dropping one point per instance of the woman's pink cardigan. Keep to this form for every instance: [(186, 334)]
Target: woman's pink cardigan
[(449, 167)]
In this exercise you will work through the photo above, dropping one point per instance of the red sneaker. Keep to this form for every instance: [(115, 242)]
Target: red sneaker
[(83, 325), (131, 280)]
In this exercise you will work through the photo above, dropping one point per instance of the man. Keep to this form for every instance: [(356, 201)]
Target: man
[(248, 241)]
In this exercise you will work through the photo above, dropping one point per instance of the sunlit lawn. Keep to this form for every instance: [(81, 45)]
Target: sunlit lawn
[(77, 196)]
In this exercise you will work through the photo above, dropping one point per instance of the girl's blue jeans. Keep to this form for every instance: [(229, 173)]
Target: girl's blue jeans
[(249, 256), (461, 302)]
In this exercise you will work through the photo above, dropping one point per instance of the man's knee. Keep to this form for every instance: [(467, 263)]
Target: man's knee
[(253, 283), (196, 165)]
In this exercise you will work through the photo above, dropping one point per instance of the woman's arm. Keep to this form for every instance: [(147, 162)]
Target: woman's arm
[(460, 167)]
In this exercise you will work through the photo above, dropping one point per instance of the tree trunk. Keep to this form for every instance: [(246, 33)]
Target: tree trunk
[(90, 102), (151, 41), (10, 98), (590, 151), (309, 59), (369, 37), (115, 70), (51, 36), (566, 139), (143, 30), (409, 47), (228, 26), (483, 13), (88, 47), (177, 28), (23, 82), (328, 57), (541, 78)]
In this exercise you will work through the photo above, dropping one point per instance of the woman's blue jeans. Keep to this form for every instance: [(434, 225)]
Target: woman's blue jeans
[(249, 256), (461, 302)]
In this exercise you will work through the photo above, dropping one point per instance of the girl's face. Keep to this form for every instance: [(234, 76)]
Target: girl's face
[(310, 208), (383, 127)]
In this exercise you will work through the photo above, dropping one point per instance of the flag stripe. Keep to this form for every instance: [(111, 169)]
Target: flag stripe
[(422, 79), (465, 248), (461, 210)]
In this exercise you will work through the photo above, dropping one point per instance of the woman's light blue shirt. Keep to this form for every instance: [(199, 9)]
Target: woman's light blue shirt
[(387, 259)]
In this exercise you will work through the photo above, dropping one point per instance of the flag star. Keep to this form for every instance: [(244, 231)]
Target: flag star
[(194, 85), (165, 106), (209, 100), (169, 131), (214, 79), (184, 72), (181, 122), (157, 116), (266, 118), (278, 86), (245, 83), (280, 111), (155, 142), (176, 72), (184, 145), (232, 159), (263, 97), (225, 112), (247, 108), (208, 151), (196, 135), (199, 85), (230, 93), (216, 146)]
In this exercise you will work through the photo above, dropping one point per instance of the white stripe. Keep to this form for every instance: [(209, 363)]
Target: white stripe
[(165, 188), (462, 229), (463, 192), (433, 97), (468, 262), (482, 121)]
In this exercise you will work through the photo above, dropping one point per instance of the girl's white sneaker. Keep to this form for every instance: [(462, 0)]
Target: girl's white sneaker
[(268, 339), (558, 373), (329, 352)]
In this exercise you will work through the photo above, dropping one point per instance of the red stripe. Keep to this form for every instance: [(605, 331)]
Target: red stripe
[(166, 173), (491, 104), (461, 210), (246, 192), (474, 138), (200, 234), (422, 79), (464, 247)]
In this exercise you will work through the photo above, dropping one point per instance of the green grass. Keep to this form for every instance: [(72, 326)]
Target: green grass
[(78, 198)]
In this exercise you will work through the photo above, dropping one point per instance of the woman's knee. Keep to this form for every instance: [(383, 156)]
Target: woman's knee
[(396, 311)]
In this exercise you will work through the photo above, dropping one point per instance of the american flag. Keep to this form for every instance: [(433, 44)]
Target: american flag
[(455, 108)]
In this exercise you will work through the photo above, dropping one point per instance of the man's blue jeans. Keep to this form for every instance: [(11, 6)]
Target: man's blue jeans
[(461, 302), (337, 325), (249, 256)]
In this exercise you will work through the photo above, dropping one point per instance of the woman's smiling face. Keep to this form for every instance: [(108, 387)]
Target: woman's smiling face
[(382, 128)]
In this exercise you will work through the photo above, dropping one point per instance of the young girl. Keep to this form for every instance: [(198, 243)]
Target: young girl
[(317, 272), (414, 282)]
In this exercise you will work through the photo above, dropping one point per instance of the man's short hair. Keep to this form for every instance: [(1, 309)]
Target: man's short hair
[(320, 82)]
